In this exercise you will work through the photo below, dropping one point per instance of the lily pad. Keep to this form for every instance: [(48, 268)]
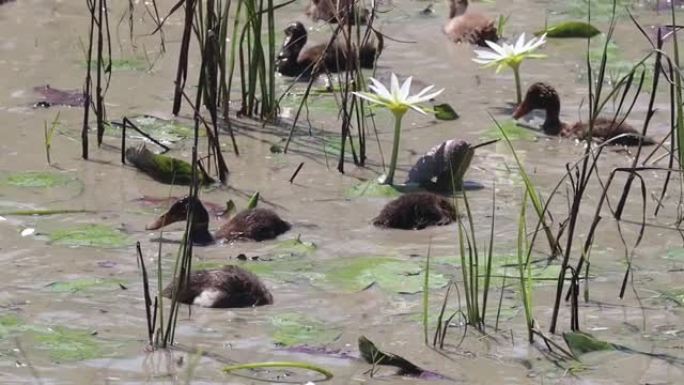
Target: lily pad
[(674, 295), (393, 275), (444, 111), (161, 129), (9, 324), (91, 236), (85, 285), (295, 246), (600, 9), (512, 130), (37, 179), (570, 29), (67, 345), (125, 64), (292, 329), (372, 189), (582, 343), (675, 254)]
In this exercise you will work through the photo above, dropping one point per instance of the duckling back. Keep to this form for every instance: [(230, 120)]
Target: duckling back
[(416, 211), (231, 286), (255, 224), (472, 28)]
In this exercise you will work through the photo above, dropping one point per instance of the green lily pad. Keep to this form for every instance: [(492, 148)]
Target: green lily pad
[(90, 235), (85, 285), (512, 130), (582, 343), (674, 295), (9, 324), (333, 146), (600, 9), (445, 112), (161, 129), (393, 275), (373, 189), (675, 254), (291, 329), (570, 29), (37, 179), (295, 246), (125, 64), (67, 345)]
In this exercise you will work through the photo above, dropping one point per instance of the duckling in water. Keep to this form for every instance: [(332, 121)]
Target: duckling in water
[(253, 224), (332, 11), (417, 211), (543, 96), (467, 26), (231, 286), (295, 60)]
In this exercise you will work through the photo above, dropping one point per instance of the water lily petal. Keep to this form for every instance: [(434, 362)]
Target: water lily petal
[(380, 88), (394, 85), (405, 88)]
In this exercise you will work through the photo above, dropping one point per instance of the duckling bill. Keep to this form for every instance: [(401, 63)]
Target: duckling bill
[(294, 59), (229, 287), (416, 211), (252, 224)]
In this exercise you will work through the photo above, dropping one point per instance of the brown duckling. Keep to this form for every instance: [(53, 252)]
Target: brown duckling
[(417, 211), (294, 59), (231, 286), (336, 11), (466, 26), (253, 224), (543, 96)]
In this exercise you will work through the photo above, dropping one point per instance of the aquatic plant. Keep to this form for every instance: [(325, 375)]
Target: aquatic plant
[(511, 55), (398, 101)]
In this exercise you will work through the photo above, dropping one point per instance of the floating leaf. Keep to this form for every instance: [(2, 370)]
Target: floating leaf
[(90, 235), (373, 189), (445, 112), (162, 168), (403, 277), (512, 130), (9, 324), (126, 64), (37, 179), (297, 329), (68, 345), (581, 343), (161, 129), (674, 295), (295, 246), (570, 29), (86, 284), (675, 254)]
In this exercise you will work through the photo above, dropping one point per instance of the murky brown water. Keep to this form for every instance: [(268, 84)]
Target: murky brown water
[(39, 44)]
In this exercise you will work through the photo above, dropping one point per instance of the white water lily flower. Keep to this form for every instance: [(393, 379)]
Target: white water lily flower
[(397, 98), (27, 231), (510, 55)]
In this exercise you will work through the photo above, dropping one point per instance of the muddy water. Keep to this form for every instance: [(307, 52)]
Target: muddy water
[(39, 44)]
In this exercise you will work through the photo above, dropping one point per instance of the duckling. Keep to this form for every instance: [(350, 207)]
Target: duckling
[(417, 211), (442, 168), (332, 11), (295, 60), (252, 224), (466, 26), (543, 96), (231, 286)]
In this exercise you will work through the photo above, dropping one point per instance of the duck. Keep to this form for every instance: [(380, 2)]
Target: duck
[(255, 224), (466, 26), (544, 97), (296, 60), (228, 287), (416, 211), (335, 11)]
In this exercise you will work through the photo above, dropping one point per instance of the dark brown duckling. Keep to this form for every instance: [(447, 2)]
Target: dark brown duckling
[(231, 286), (466, 26), (544, 97), (337, 11), (417, 211), (251, 224), (294, 59)]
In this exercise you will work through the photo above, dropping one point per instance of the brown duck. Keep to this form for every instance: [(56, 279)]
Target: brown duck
[(231, 286), (466, 26), (251, 224), (416, 211), (336, 11), (544, 97), (294, 59)]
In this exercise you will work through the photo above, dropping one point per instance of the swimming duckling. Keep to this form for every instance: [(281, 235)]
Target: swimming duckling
[(417, 211), (294, 59), (543, 96), (465, 26), (231, 286), (332, 11), (253, 224)]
